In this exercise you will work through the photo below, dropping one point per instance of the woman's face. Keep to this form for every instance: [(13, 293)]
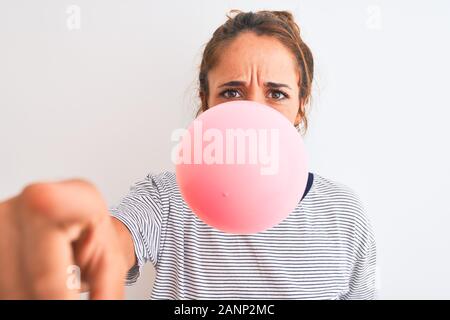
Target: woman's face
[(257, 68)]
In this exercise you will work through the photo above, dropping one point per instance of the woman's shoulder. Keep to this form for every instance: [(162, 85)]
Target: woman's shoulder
[(165, 177), (164, 180), (340, 203), (155, 184), (327, 186), (328, 195)]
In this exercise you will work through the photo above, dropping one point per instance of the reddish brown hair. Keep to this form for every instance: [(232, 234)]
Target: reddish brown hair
[(278, 24)]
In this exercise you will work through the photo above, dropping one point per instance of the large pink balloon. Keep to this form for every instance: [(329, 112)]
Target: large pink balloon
[(242, 167)]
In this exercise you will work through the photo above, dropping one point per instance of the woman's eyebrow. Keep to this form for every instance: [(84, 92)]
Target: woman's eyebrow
[(232, 84), (273, 85)]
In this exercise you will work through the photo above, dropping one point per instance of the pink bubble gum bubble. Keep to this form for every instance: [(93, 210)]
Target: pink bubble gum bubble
[(242, 167)]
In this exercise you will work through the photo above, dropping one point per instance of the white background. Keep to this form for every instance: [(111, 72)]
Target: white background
[(100, 102)]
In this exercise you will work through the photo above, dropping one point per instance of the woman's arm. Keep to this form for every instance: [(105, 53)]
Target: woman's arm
[(126, 242), (52, 228)]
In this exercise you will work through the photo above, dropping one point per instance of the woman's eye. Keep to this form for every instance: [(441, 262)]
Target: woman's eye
[(230, 94), (277, 95)]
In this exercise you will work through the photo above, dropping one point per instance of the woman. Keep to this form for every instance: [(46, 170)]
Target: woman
[(325, 249)]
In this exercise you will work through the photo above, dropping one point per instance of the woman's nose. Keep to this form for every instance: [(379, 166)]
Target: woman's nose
[(256, 96)]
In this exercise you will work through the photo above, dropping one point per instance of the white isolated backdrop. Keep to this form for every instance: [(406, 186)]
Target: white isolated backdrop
[(94, 89)]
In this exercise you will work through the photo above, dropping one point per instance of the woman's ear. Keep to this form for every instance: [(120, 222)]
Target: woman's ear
[(203, 100), (300, 113), (298, 119)]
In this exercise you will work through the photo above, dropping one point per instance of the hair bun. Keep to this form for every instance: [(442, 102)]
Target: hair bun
[(285, 15)]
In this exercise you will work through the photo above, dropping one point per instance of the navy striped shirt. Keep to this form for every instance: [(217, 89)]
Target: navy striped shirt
[(325, 249)]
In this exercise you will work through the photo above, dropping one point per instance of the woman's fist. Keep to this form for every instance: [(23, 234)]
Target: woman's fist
[(53, 232)]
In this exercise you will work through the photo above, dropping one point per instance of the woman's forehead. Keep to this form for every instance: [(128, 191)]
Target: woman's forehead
[(250, 55)]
